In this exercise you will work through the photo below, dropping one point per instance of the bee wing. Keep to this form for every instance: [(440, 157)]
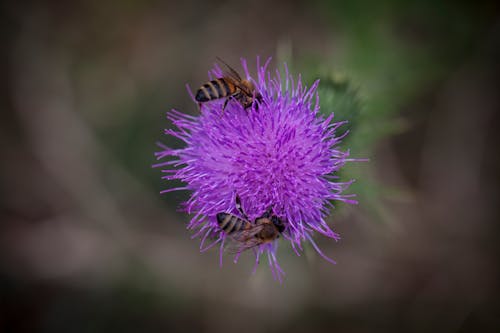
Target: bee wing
[(230, 71), (231, 74), (235, 247), (246, 234), (244, 239)]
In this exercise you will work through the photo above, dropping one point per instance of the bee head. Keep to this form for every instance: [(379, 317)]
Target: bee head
[(248, 84), (278, 223), (221, 217)]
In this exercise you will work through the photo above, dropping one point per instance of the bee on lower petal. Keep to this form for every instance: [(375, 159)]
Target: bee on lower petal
[(247, 234)]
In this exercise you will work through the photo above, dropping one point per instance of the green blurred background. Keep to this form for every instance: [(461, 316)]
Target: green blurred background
[(88, 245)]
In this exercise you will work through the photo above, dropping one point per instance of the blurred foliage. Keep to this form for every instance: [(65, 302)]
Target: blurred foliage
[(338, 96), (389, 53)]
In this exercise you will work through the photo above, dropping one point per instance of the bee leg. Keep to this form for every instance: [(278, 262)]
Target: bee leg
[(224, 106), (239, 207), (247, 106), (256, 105), (259, 98), (258, 101)]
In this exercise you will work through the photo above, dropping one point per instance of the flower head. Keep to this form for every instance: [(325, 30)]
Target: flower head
[(279, 153)]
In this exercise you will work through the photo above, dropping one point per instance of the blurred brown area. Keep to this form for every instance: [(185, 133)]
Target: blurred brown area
[(88, 245)]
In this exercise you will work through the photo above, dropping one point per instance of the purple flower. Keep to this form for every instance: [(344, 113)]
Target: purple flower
[(281, 153)]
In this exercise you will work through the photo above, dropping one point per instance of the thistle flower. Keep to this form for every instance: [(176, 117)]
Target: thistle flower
[(281, 153)]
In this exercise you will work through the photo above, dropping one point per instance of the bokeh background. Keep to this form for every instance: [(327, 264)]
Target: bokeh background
[(87, 244)]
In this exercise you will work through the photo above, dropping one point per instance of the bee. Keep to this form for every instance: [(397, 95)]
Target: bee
[(247, 234), (231, 85)]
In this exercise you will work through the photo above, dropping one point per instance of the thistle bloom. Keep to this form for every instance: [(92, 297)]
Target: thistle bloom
[(281, 153)]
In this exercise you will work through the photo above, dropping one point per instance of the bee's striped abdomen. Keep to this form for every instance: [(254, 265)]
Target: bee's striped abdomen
[(214, 89), (223, 87), (230, 223)]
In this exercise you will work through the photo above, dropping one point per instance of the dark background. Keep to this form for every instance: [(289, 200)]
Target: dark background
[(88, 245)]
